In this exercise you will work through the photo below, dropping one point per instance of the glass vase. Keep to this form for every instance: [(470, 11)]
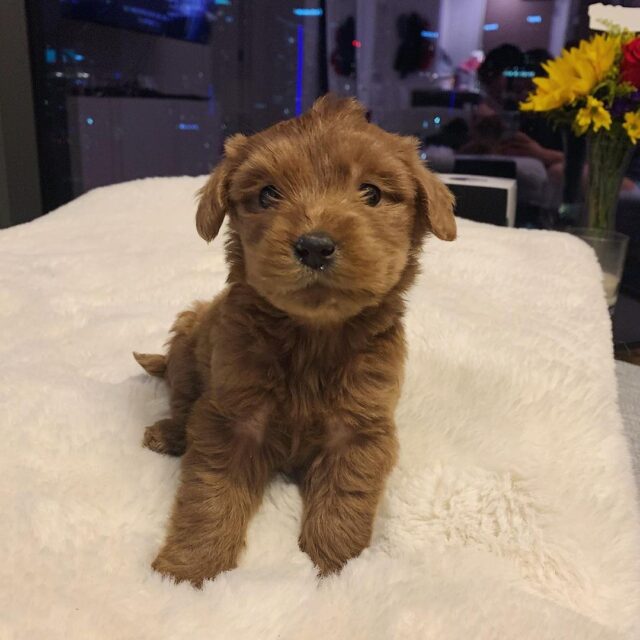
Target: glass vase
[(609, 154), (611, 250), (570, 210)]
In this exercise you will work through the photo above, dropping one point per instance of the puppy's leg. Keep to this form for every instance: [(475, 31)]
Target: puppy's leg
[(169, 435), (166, 436), (341, 492), (224, 473)]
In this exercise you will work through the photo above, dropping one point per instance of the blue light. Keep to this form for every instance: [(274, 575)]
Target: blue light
[(430, 35), (224, 2), (534, 19), (147, 16), (50, 55), (425, 124), (437, 120), (184, 126), (518, 73), (90, 121), (71, 55), (491, 26), (185, 8), (308, 13), (299, 69)]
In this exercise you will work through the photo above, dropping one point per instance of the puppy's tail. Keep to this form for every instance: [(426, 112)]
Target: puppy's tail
[(154, 364)]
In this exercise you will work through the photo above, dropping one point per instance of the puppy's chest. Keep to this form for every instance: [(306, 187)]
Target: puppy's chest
[(307, 378), (317, 383), (311, 380)]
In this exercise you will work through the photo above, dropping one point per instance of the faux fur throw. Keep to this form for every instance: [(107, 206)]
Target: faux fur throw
[(511, 513)]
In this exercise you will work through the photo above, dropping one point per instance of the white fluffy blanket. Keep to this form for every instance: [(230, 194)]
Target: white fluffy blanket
[(511, 514)]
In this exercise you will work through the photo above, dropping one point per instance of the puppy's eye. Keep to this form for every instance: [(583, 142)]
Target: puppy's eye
[(268, 196), (370, 193)]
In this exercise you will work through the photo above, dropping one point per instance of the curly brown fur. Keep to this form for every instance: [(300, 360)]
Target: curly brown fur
[(289, 368)]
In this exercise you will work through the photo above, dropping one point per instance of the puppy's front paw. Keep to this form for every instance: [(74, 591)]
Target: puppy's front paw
[(153, 439), (179, 571), (165, 436), (327, 561), (176, 574)]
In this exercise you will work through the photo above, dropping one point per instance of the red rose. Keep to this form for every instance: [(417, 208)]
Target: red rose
[(630, 65)]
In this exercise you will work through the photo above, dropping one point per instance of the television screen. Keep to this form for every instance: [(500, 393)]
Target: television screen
[(182, 19)]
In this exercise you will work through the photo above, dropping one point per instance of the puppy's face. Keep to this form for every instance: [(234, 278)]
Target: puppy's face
[(326, 210)]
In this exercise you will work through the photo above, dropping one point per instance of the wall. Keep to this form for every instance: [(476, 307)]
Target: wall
[(562, 10), (279, 61), (379, 85), (460, 27), (511, 16), (462, 22), (5, 215), (19, 178), (337, 12)]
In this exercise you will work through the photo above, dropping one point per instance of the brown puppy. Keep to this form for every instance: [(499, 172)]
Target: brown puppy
[(297, 365)]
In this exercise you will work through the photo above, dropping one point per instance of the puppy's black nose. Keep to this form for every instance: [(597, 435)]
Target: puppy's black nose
[(316, 250)]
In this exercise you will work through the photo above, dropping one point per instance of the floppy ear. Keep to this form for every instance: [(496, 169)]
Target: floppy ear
[(213, 198), (434, 202)]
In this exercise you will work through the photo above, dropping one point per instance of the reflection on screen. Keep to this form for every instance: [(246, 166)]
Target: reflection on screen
[(182, 19)]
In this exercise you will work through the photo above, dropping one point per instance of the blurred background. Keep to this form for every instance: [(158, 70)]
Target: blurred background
[(96, 92)]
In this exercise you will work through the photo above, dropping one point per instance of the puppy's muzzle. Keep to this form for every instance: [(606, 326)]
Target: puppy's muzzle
[(315, 250)]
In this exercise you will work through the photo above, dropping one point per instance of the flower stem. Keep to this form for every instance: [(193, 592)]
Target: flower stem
[(609, 156)]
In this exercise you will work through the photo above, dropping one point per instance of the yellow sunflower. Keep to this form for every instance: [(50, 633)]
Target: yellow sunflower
[(573, 74), (594, 113), (632, 126)]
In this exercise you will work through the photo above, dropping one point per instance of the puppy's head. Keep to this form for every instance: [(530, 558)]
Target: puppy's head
[(326, 211)]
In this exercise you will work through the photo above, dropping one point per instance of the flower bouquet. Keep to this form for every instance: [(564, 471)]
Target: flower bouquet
[(595, 89)]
